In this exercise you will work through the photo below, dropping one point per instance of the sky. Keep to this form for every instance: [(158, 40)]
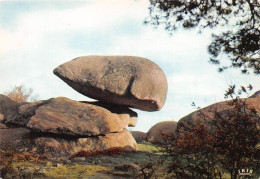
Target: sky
[(37, 36)]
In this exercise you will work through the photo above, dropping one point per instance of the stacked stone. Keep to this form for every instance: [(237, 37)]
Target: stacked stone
[(63, 127)]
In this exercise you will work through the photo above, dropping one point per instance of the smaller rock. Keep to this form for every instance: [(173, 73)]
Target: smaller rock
[(256, 95), (127, 115), (2, 126), (49, 164), (159, 131), (78, 159), (2, 117), (24, 113), (139, 136), (8, 107), (59, 165), (132, 122), (128, 167), (42, 171), (97, 161)]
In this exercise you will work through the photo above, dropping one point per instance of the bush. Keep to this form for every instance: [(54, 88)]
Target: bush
[(215, 145), (22, 94)]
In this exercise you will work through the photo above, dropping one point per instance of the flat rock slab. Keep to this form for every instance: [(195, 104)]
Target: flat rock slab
[(64, 116), (133, 81), (23, 140), (58, 147)]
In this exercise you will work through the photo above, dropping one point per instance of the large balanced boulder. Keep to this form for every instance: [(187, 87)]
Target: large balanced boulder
[(126, 80), (159, 132)]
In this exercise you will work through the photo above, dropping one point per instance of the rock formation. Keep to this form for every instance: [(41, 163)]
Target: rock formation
[(206, 114), (124, 80), (256, 95), (156, 133), (8, 107), (139, 136), (123, 112), (63, 127)]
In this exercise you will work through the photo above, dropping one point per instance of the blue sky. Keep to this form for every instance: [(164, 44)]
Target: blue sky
[(37, 36)]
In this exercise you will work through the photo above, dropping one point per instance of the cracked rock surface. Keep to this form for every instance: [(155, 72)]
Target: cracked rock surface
[(126, 80)]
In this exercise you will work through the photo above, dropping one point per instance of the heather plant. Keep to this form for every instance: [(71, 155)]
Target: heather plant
[(215, 145)]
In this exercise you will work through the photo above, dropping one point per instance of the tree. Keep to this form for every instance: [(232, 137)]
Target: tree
[(21, 94), (238, 24), (218, 144)]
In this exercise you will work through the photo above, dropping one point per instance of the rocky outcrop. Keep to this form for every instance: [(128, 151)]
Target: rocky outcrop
[(8, 107), (57, 146), (132, 81), (224, 109), (64, 127), (23, 113), (13, 138), (139, 136), (65, 116), (127, 115), (61, 127), (46, 144), (256, 95), (159, 131)]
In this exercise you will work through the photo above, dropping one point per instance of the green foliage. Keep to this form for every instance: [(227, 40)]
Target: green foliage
[(17, 165), (108, 152), (238, 25), (148, 147)]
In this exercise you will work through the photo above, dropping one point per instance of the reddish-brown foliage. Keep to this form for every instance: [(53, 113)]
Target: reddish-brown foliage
[(225, 142), (109, 152)]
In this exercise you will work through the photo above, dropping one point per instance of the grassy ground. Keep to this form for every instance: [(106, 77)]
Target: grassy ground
[(27, 166), (14, 165)]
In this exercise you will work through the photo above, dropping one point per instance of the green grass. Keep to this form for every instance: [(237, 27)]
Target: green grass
[(148, 147), (74, 171)]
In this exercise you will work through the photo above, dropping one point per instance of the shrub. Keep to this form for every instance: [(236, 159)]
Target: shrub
[(22, 94), (216, 145)]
